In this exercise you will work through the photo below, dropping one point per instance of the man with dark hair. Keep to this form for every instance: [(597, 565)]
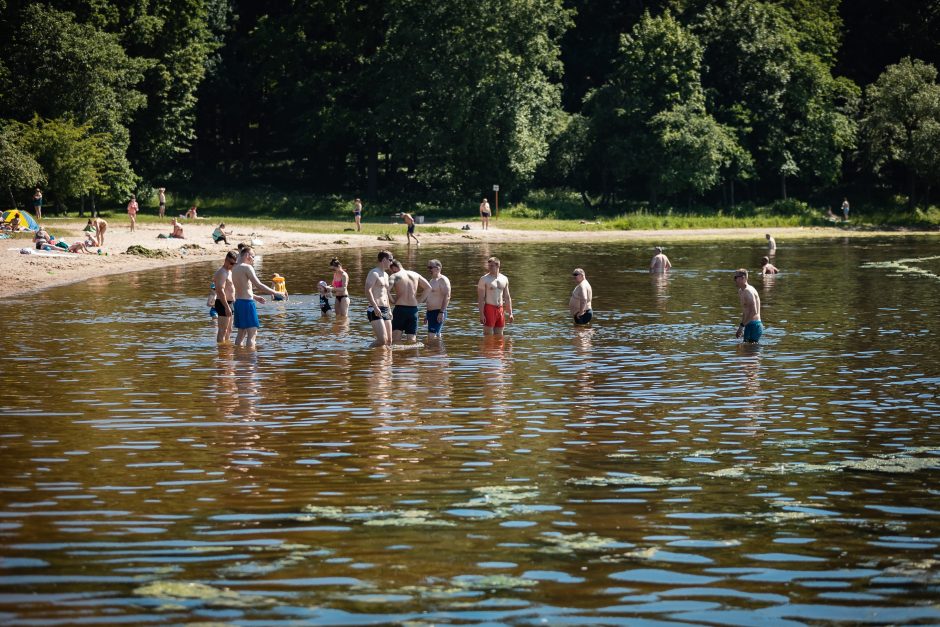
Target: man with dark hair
[(750, 327), (405, 315), (246, 312), (378, 313), (225, 296)]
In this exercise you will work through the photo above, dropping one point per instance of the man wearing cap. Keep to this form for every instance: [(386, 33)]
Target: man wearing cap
[(660, 262), (493, 299), (750, 327), (405, 314), (378, 312), (580, 303)]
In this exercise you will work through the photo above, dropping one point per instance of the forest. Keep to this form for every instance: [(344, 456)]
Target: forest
[(620, 103)]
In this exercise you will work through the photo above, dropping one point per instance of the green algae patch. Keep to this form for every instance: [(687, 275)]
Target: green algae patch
[(578, 542), (374, 516), (141, 251), (500, 495), (733, 472), (200, 592), (890, 463), (905, 266), (492, 583), (621, 480)]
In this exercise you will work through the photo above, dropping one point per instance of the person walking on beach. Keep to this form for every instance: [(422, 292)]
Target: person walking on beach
[(225, 297), (771, 244), (406, 298), (438, 299), (378, 312), (132, 209), (100, 226), (340, 285), (37, 204), (580, 303), (410, 233), (766, 267), (493, 299), (485, 213), (845, 209), (660, 262), (246, 312), (161, 196), (750, 326), (357, 214)]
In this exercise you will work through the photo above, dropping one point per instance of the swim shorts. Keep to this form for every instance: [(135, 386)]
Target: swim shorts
[(220, 308), (485, 214), (494, 316), (385, 311), (433, 325), (753, 331), (586, 317), (405, 319), (246, 314), (411, 228)]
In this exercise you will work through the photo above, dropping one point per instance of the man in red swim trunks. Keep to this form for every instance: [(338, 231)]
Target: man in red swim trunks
[(493, 299)]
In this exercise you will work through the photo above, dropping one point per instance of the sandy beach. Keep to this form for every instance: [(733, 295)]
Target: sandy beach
[(24, 273)]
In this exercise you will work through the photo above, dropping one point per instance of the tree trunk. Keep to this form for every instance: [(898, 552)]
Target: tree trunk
[(912, 189), (732, 193), (81, 207), (373, 170), (783, 185)]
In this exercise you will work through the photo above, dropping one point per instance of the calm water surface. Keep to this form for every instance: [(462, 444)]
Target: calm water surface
[(647, 468)]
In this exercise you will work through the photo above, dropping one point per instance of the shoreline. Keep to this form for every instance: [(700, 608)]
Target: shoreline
[(22, 274)]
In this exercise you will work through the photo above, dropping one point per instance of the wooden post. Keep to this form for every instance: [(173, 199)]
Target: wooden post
[(496, 200)]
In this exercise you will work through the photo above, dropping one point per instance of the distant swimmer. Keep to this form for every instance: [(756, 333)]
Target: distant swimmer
[(378, 313), (225, 297), (493, 299), (660, 262), (410, 232), (405, 283), (438, 299), (766, 267), (580, 303), (750, 326), (246, 312), (771, 244)]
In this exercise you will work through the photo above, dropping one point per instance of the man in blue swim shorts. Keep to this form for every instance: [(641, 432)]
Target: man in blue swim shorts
[(438, 299), (246, 312), (405, 284), (750, 326)]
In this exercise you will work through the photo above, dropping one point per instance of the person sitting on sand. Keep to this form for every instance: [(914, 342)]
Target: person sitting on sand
[(15, 222), (191, 214), (177, 229), (42, 235), (219, 234), (766, 267), (84, 247)]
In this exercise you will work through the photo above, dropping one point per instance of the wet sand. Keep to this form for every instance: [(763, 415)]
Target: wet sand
[(21, 274)]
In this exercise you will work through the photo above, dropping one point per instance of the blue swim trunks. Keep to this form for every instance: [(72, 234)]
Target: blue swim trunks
[(753, 331), (246, 314), (433, 325)]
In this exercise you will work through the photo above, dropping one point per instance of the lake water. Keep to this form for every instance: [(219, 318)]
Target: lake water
[(646, 468)]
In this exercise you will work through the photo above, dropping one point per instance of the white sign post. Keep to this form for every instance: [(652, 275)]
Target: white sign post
[(496, 200)]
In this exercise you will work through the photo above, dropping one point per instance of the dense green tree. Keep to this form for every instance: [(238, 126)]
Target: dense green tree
[(18, 168), (900, 124), (75, 160)]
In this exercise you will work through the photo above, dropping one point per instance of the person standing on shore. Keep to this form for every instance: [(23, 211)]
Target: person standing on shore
[(660, 262), (161, 196), (845, 209), (357, 213), (225, 297), (132, 209), (580, 303), (406, 299), (410, 233), (37, 204), (378, 313), (438, 299), (493, 299), (750, 326), (485, 213), (246, 312)]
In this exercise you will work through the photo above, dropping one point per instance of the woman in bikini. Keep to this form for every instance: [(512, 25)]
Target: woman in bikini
[(339, 285)]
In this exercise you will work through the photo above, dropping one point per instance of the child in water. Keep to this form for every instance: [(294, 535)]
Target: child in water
[(210, 302), (325, 290)]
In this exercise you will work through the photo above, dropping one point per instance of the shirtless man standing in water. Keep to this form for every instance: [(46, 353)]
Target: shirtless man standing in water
[(750, 326), (660, 262), (246, 312), (438, 299), (378, 313), (225, 297), (492, 293), (580, 303), (406, 299)]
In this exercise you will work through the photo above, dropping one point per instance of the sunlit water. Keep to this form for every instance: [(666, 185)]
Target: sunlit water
[(647, 467)]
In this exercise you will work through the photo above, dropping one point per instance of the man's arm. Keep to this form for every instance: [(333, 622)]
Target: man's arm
[(253, 277), (668, 264), (507, 299), (425, 288), (370, 281), (445, 290), (481, 297)]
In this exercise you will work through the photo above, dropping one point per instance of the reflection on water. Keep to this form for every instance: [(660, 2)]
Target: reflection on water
[(645, 467)]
